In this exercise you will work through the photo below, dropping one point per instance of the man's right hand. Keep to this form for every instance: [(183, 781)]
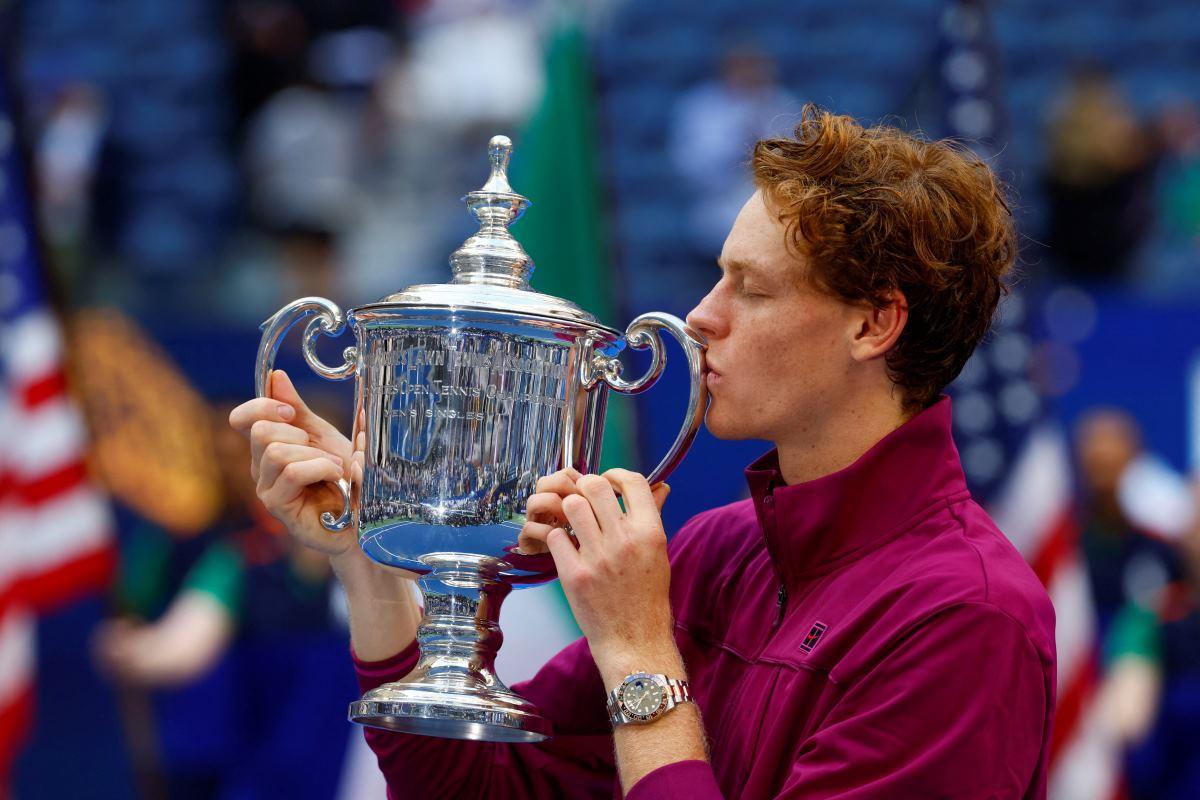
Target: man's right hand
[(296, 457)]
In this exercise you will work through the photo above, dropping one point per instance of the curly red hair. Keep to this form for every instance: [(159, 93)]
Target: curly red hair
[(875, 210)]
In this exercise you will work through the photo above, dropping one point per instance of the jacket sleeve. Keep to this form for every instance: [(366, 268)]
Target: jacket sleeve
[(957, 707), (576, 762)]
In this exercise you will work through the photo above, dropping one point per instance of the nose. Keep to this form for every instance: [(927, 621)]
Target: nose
[(706, 318)]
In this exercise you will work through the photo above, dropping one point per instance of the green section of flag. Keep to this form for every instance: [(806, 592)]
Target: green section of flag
[(557, 165)]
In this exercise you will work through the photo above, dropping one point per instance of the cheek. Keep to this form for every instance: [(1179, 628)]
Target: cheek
[(790, 361), (788, 344)]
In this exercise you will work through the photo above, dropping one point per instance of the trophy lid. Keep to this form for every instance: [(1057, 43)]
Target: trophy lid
[(490, 270)]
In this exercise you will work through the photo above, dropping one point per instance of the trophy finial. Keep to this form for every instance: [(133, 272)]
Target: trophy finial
[(492, 256), (499, 152)]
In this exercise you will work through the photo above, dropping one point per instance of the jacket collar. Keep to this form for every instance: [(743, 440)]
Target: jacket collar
[(815, 526)]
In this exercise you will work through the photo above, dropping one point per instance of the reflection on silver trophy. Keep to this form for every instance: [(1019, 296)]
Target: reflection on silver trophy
[(466, 393)]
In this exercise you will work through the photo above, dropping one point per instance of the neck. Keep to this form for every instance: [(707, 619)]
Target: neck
[(834, 441)]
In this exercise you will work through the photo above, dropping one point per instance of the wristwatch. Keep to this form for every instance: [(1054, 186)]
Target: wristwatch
[(643, 697)]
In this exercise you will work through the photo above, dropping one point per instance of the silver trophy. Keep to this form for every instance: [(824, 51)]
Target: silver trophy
[(465, 394)]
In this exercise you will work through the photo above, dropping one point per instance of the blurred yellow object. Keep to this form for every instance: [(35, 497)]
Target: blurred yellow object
[(152, 443)]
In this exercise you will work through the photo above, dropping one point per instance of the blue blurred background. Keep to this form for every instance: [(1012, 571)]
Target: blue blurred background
[(193, 165)]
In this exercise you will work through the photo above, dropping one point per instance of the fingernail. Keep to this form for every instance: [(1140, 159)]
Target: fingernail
[(287, 412)]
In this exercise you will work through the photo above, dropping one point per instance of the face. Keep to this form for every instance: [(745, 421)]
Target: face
[(778, 348), (1108, 441)]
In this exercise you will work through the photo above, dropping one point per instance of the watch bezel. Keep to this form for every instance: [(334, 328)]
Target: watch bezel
[(664, 697)]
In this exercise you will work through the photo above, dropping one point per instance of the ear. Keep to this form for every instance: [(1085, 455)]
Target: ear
[(876, 330)]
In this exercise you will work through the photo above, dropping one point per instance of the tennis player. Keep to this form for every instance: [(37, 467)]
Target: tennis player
[(858, 627)]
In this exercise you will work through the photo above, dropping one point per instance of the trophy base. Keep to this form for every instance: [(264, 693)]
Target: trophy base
[(453, 712)]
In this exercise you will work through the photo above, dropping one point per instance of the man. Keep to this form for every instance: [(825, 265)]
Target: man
[(859, 627)]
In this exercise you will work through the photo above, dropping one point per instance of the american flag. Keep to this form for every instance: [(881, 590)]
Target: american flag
[(1015, 456), (55, 528)]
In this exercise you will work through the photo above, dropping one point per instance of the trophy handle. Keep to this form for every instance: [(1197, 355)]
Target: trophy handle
[(643, 332), (331, 321)]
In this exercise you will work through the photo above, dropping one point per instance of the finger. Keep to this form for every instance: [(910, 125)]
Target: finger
[(583, 520), (563, 551), (545, 507), (639, 501), (264, 433), (283, 390), (298, 476), (600, 494), (359, 434), (561, 482), (660, 492), (279, 454), (532, 539), (244, 416)]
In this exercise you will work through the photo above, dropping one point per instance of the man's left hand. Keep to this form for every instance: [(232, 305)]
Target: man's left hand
[(617, 579), (615, 572)]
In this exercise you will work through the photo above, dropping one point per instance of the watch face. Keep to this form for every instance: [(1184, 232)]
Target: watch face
[(642, 697)]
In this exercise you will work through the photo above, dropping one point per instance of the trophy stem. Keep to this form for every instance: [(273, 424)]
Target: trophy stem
[(460, 632), (454, 691)]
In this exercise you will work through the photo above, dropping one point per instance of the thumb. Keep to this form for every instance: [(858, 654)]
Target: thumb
[(660, 492)]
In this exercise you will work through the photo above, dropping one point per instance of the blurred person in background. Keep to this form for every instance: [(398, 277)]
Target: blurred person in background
[(302, 159), (1152, 684), (1172, 265), (1117, 550), (713, 126), (269, 40), (280, 43), (66, 159), (1097, 180), (254, 621), (432, 107), (454, 94)]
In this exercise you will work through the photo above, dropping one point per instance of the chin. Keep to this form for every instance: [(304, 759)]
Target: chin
[(726, 424)]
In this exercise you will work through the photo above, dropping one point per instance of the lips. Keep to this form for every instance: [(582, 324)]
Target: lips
[(711, 376)]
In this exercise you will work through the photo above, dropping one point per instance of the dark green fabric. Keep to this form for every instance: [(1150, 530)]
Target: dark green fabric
[(220, 573), (1135, 632), (143, 581)]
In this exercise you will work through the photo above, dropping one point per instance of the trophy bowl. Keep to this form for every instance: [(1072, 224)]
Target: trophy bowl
[(466, 393)]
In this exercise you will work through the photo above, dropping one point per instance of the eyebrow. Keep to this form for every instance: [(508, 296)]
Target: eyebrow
[(736, 265)]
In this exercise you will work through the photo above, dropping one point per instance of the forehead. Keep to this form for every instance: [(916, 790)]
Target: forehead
[(758, 240)]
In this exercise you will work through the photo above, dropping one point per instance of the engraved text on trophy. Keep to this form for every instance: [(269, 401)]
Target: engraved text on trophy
[(461, 425)]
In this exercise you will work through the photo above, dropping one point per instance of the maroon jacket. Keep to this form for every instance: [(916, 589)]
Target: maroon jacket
[(870, 634)]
